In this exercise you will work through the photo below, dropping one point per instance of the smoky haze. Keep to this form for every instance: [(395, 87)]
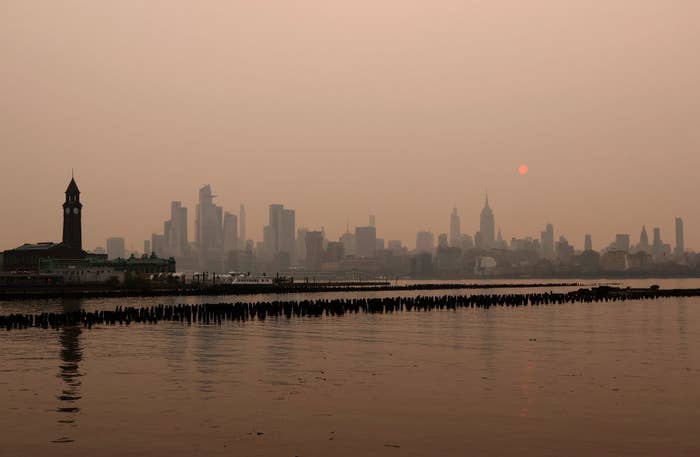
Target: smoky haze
[(402, 109)]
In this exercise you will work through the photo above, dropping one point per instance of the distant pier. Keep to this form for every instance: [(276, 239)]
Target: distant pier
[(63, 291)]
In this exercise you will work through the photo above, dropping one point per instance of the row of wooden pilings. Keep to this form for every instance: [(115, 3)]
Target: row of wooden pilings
[(216, 313)]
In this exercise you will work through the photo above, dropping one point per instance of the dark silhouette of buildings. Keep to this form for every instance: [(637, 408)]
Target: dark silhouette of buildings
[(66, 262), (28, 256)]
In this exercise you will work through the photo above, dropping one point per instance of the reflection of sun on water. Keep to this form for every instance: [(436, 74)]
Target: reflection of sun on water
[(522, 169)]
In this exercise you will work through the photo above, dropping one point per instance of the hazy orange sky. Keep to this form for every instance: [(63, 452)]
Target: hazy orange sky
[(402, 109)]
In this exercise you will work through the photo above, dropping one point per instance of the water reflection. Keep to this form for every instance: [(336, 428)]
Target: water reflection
[(71, 355)]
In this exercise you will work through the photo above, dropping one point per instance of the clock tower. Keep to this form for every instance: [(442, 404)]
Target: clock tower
[(72, 211)]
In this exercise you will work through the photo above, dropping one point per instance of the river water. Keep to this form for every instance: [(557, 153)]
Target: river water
[(577, 379)]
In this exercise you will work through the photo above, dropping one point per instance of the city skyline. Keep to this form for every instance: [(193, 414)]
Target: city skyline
[(173, 231)]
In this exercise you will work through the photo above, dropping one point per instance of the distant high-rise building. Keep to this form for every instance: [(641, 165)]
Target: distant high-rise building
[(314, 250), (455, 229), (487, 226), (301, 244), (241, 231), (425, 242), (287, 231), (147, 247), (279, 234), (588, 243), (116, 248), (348, 240), (334, 251), (175, 231), (275, 217), (268, 243), (231, 242), (657, 246), (643, 239), (442, 240), (500, 242), (209, 230), (680, 243), (372, 221), (547, 242), (622, 242), (158, 245), (365, 242), (380, 244), (564, 251)]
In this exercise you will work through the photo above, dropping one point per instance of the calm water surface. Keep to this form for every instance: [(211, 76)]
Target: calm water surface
[(577, 379)]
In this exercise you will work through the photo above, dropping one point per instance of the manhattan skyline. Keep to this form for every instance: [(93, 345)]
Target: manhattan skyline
[(469, 225)]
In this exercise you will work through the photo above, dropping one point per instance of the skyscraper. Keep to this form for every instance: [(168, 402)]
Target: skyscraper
[(301, 244), (644, 239), (680, 243), (209, 232), (158, 245), (278, 235), (372, 221), (588, 243), (455, 229), (365, 241), (622, 242), (230, 232), (116, 248), (175, 230), (241, 232), (348, 240), (657, 246), (547, 242), (425, 242), (487, 226), (274, 218), (314, 250), (287, 231)]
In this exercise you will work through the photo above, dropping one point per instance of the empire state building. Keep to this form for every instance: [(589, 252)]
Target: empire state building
[(487, 226)]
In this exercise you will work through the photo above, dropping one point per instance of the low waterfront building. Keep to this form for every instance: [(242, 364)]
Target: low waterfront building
[(97, 269), (28, 256)]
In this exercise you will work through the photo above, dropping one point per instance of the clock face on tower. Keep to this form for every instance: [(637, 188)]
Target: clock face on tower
[(76, 210)]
